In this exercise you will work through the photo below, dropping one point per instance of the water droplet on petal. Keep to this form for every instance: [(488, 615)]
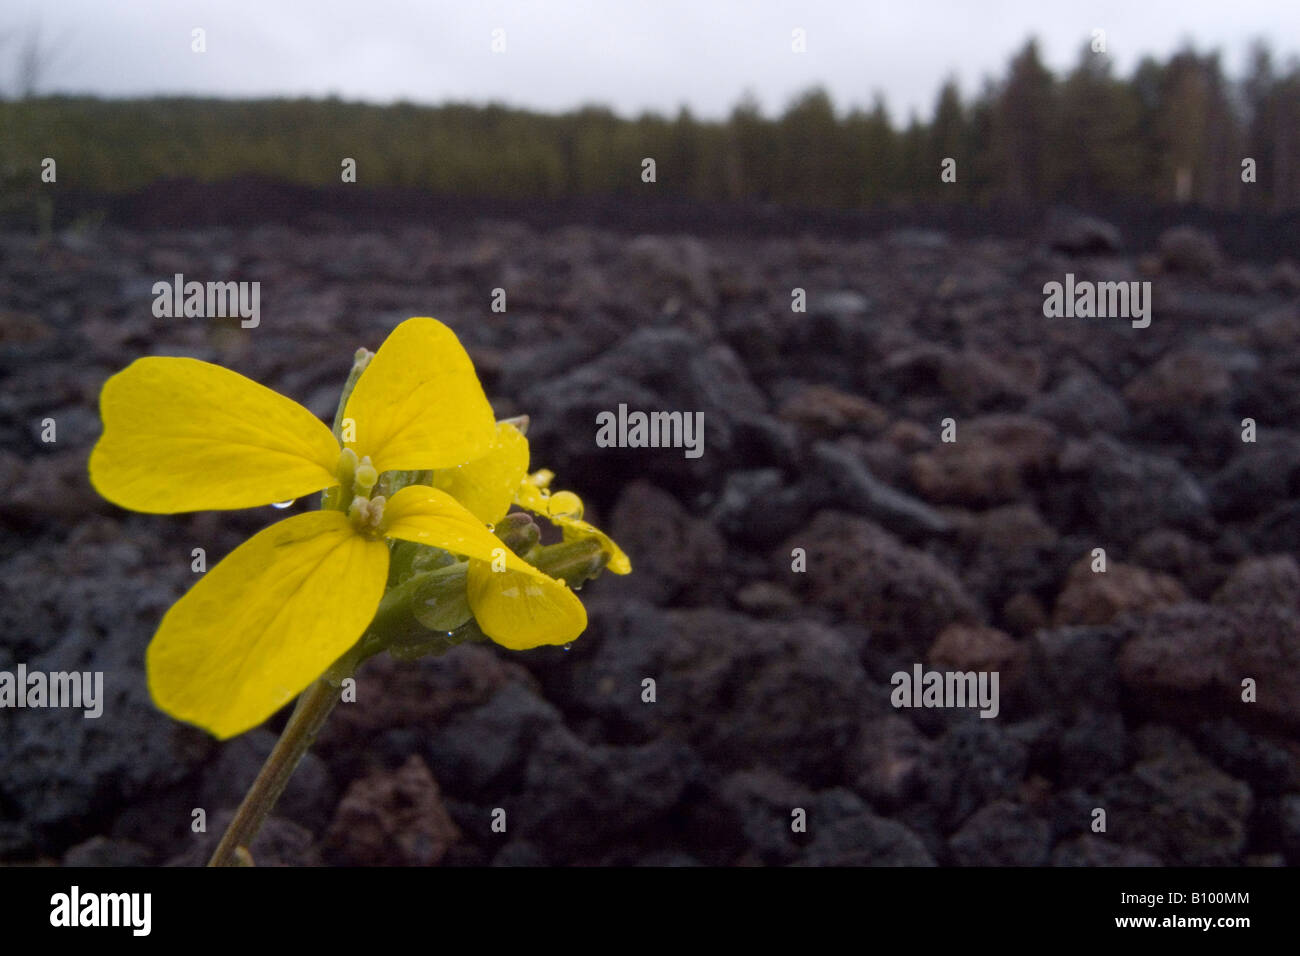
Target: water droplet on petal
[(565, 504), (492, 529), (567, 646), (283, 504)]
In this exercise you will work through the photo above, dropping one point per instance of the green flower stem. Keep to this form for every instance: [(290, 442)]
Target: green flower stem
[(339, 497), (314, 706), (396, 620), (360, 362)]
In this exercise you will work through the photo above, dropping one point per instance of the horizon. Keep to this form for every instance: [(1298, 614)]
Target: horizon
[(316, 62)]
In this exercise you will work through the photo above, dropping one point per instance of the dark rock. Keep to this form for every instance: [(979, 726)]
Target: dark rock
[(1095, 849), (1081, 404), (1185, 385), (1285, 278), (757, 811), (926, 240), (1001, 834), (771, 686), (974, 763), (519, 853), (422, 695), (974, 647), (1278, 529), (1186, 249), (88, 609), (765, 599), (844, 482), (787, 694), (1008, 549), (674, 266), (1024, 613), (1269, 765), (279, 842), (866, 840), (1075, 667), (863, 574), (1257, 477), (392, 819), (887, 767), (994, 460), (824, 411), (676, 558), (578, 796), (1272, 581), (668, 858), (983, 381), (840, 830), (1178, 806), (1127, 493), (101, 851), (16, 844), (1077, 234), (1190, 660), (1290, 820), (1091, 746), (478, 751), (760, 506), (650, 370), (1192, 562), (308, 799), (53, 486), (1098, 597)]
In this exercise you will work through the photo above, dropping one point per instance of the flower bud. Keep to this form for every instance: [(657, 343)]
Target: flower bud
[(422, 609), (438, 601), (364, 479), (573, 562), (518, 532)]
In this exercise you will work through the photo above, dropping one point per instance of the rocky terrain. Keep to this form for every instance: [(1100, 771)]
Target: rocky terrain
[(1120, 690)]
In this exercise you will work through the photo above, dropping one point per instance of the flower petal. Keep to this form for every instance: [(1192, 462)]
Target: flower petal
[(520, 611), (486, 486), (575, 529), (185, 435), (428, 516), (265, 622), (532, 491), (419, 404), (564, 508)]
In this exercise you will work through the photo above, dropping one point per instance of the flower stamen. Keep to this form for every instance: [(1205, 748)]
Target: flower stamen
[(367, 515)]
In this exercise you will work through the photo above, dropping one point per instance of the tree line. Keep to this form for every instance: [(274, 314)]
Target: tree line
[(1173, 131)]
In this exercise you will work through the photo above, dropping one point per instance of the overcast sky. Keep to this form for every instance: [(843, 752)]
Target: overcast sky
[(629, 54)]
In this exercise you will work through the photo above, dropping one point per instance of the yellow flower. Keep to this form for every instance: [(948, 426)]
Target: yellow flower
[(185, 435), (488, 486), (565, 509)]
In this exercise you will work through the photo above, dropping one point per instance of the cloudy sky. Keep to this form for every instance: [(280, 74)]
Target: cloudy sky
[(629, 54)]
